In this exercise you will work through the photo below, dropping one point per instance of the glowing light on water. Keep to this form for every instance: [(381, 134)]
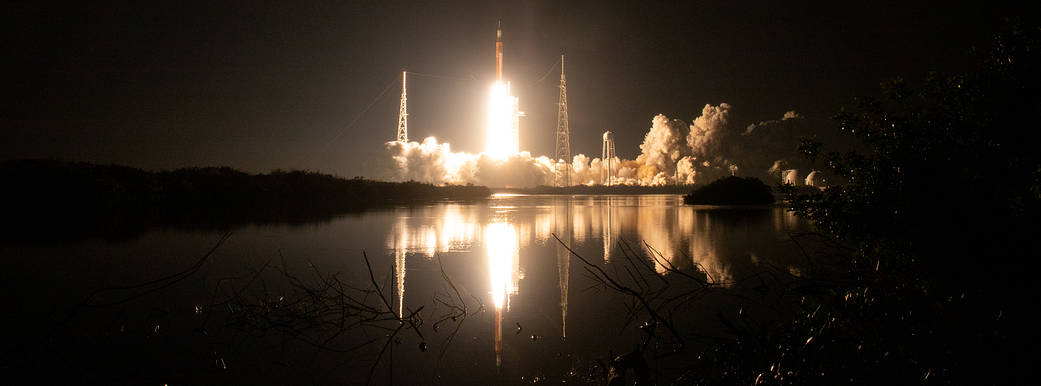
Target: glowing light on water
[(503, 247), (427, 234), (399, 279), (502, 244), (502, 136), (608, 224)]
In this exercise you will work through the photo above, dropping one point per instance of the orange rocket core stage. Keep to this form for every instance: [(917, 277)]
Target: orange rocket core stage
[(498, 53)]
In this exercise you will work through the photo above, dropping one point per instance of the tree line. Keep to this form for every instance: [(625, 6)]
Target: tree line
[(50, 195)]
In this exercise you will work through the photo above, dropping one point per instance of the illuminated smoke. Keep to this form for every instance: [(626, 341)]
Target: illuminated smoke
[(662, 148), (791, 177), (706, 132), (436, 163), (685, 171), (778, 167), (815, 178), (428, 161), (791, 114), (672, 152)]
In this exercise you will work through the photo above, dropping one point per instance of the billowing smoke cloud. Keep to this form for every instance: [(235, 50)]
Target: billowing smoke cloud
[(815, 178), (436, 163), (707, 133), (791, 176), (662, 148), (672, 152)]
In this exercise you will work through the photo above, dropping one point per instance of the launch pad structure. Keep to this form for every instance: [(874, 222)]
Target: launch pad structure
[(507, 143), (563, 147), (403, 112)]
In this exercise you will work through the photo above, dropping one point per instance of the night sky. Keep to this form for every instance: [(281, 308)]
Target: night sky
[(276, 85)]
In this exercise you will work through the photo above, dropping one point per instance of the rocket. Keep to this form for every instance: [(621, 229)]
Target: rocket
[(498, 53)]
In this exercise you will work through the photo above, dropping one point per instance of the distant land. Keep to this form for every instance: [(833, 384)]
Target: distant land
[(51, 199), (599, 189)]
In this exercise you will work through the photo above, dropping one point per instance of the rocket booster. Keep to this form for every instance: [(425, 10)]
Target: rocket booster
[(498, 53)]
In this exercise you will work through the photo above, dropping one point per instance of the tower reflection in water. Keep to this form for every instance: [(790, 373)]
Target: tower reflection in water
[(503, 247), (427, 232), (563, 218), (711, 241)]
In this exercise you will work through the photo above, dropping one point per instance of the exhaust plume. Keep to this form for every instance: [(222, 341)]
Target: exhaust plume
[(672, 152)]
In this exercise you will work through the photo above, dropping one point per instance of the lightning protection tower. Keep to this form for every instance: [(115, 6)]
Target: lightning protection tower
[(563, 135), (607, 160), (403, 113)]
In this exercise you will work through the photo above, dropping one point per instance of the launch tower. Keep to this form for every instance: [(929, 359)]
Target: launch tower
[(403, 113), (563, 136)]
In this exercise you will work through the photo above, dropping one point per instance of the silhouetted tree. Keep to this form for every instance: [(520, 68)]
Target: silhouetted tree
[(937, 214)]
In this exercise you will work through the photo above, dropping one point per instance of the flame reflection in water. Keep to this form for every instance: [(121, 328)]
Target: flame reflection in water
[(503, 246), (705, 239)]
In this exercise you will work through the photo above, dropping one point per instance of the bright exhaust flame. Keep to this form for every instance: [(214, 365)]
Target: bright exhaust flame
[(502, 133)]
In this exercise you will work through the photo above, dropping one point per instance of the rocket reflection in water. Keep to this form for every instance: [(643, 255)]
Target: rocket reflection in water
[(624, 226), (503, 247)]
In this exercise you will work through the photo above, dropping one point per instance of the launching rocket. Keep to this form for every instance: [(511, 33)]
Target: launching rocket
[(503, 116), (498, 53)]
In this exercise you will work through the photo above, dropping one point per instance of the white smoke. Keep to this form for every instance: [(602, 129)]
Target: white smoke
[(791, 177), (428, 161), (662, 147), (436, 163), (672, 152), (685, 171), (706, 133), (790, 114), (815, 178), (585, 171)]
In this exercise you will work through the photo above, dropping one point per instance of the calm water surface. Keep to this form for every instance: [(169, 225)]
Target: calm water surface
[(536, 315)]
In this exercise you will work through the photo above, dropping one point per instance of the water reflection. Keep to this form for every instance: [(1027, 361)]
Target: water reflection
[(399, 280), (430, 230), (607, 223), (562, 214), (721, 243), (503, 249), (427, 231)]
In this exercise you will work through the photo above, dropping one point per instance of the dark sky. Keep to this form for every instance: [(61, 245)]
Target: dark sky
[(265, 85)]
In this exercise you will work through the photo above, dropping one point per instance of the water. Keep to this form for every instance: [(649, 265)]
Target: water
[(533, 313)]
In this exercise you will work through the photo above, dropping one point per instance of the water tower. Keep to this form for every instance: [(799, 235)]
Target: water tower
[(607, 168)]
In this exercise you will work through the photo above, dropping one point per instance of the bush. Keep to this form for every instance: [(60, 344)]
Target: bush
[(731, 191), (938, 282)]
